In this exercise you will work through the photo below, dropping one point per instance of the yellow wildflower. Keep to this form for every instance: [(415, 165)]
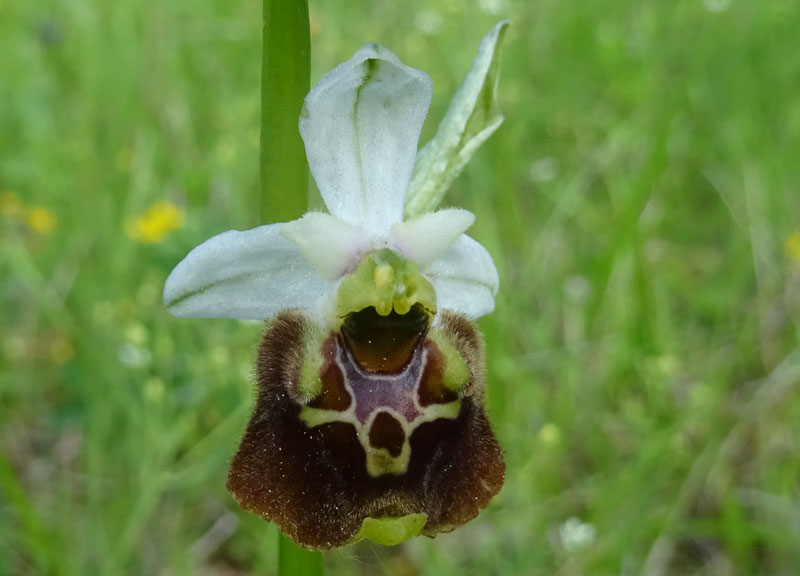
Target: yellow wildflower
[(10, 204), (40, 220), (793, 246), (156, 223)]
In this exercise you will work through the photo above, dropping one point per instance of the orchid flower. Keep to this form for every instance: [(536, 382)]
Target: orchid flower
[(369, 421)]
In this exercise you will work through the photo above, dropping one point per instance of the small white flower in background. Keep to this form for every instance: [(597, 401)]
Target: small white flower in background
[(134, 356), (716, 6), (578, 288), (494, 7), (576, 535), (428, 22), (543, 170), (369, 420)]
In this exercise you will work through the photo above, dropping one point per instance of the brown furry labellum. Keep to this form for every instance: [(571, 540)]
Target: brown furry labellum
[(395, 425)]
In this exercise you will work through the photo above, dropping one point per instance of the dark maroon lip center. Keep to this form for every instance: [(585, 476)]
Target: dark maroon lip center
[(385, 344), (387, 433)]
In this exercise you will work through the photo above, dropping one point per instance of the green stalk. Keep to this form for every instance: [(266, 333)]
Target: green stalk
[(285, 73), (296, 561)]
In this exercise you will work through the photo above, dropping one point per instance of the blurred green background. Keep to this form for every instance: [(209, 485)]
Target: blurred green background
[(642, 203)]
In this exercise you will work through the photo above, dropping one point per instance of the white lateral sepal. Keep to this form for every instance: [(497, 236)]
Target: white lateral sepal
[(251, 275)]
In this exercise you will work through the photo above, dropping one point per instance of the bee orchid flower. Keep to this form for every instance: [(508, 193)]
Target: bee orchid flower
[(369, 419)]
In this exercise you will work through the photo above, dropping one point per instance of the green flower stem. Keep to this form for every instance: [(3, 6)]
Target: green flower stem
[(285, 77), (294, 561)]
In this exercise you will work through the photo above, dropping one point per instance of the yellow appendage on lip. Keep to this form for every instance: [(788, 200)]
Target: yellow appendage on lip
[(391, 531)]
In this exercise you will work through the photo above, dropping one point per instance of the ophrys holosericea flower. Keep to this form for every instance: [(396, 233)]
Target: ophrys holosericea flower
[(369, 420)]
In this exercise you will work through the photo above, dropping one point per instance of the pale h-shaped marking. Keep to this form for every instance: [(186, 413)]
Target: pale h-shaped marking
[(371, 394)]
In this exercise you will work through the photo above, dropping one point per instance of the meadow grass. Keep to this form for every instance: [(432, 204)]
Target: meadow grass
[(642, 205)]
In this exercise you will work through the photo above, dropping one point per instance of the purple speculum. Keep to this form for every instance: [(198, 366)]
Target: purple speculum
[(389, 388)]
